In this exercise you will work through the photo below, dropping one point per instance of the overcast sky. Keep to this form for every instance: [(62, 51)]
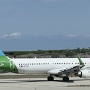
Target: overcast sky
[(22, 19)]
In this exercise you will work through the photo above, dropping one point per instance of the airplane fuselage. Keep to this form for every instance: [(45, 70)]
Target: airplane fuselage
[(43, 65)]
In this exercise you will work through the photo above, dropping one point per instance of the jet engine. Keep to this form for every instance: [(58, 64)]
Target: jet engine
[(84, 74)]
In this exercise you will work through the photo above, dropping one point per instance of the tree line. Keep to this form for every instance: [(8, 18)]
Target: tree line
[(49, 53)]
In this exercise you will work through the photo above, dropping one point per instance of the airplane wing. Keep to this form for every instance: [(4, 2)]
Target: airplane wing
[(67, 71)]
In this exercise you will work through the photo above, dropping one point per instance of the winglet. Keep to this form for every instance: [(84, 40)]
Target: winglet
[(1, 53), (80, 61)]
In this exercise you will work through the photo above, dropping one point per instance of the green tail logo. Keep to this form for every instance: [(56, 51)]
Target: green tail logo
[(6, 64)]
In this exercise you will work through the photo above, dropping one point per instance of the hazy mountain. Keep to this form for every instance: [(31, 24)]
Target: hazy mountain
[(44, 43)]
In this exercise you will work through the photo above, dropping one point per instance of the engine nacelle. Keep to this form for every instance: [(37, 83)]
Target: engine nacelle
[(84, 74)]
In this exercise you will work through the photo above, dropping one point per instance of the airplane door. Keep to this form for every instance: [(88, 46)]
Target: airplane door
[(11, 65), (88, 65), (52, 65)]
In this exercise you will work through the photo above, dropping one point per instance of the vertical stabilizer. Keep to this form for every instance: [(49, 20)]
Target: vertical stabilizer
[(1, 53)]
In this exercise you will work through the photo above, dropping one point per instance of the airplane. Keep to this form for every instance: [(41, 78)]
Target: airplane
[(59, 67)]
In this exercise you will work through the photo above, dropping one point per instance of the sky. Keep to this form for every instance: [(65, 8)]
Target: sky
[(44, 24)]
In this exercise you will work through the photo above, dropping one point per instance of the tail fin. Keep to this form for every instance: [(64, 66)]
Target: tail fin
[(1, 53)]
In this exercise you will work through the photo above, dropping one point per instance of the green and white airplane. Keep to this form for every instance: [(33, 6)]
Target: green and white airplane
[(59, 67)]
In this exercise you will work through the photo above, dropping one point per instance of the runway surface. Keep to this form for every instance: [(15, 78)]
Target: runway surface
[(75, 83)]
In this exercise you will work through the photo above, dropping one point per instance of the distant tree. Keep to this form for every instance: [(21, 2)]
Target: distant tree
[(55, 55), (69, 53)]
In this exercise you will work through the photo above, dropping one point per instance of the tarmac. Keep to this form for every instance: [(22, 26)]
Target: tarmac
[(75, 83)]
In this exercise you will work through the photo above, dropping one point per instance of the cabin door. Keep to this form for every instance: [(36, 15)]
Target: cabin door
[(11, 65), (52, 65), (89, 65)]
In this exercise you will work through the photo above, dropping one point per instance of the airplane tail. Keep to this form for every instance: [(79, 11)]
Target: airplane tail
[(1, 53)]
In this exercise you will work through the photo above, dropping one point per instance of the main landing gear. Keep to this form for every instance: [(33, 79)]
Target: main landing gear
[(65, 79), (50, 78)]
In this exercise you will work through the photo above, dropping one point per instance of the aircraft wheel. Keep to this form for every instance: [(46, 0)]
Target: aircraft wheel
[(65, 79), (50, 78)]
